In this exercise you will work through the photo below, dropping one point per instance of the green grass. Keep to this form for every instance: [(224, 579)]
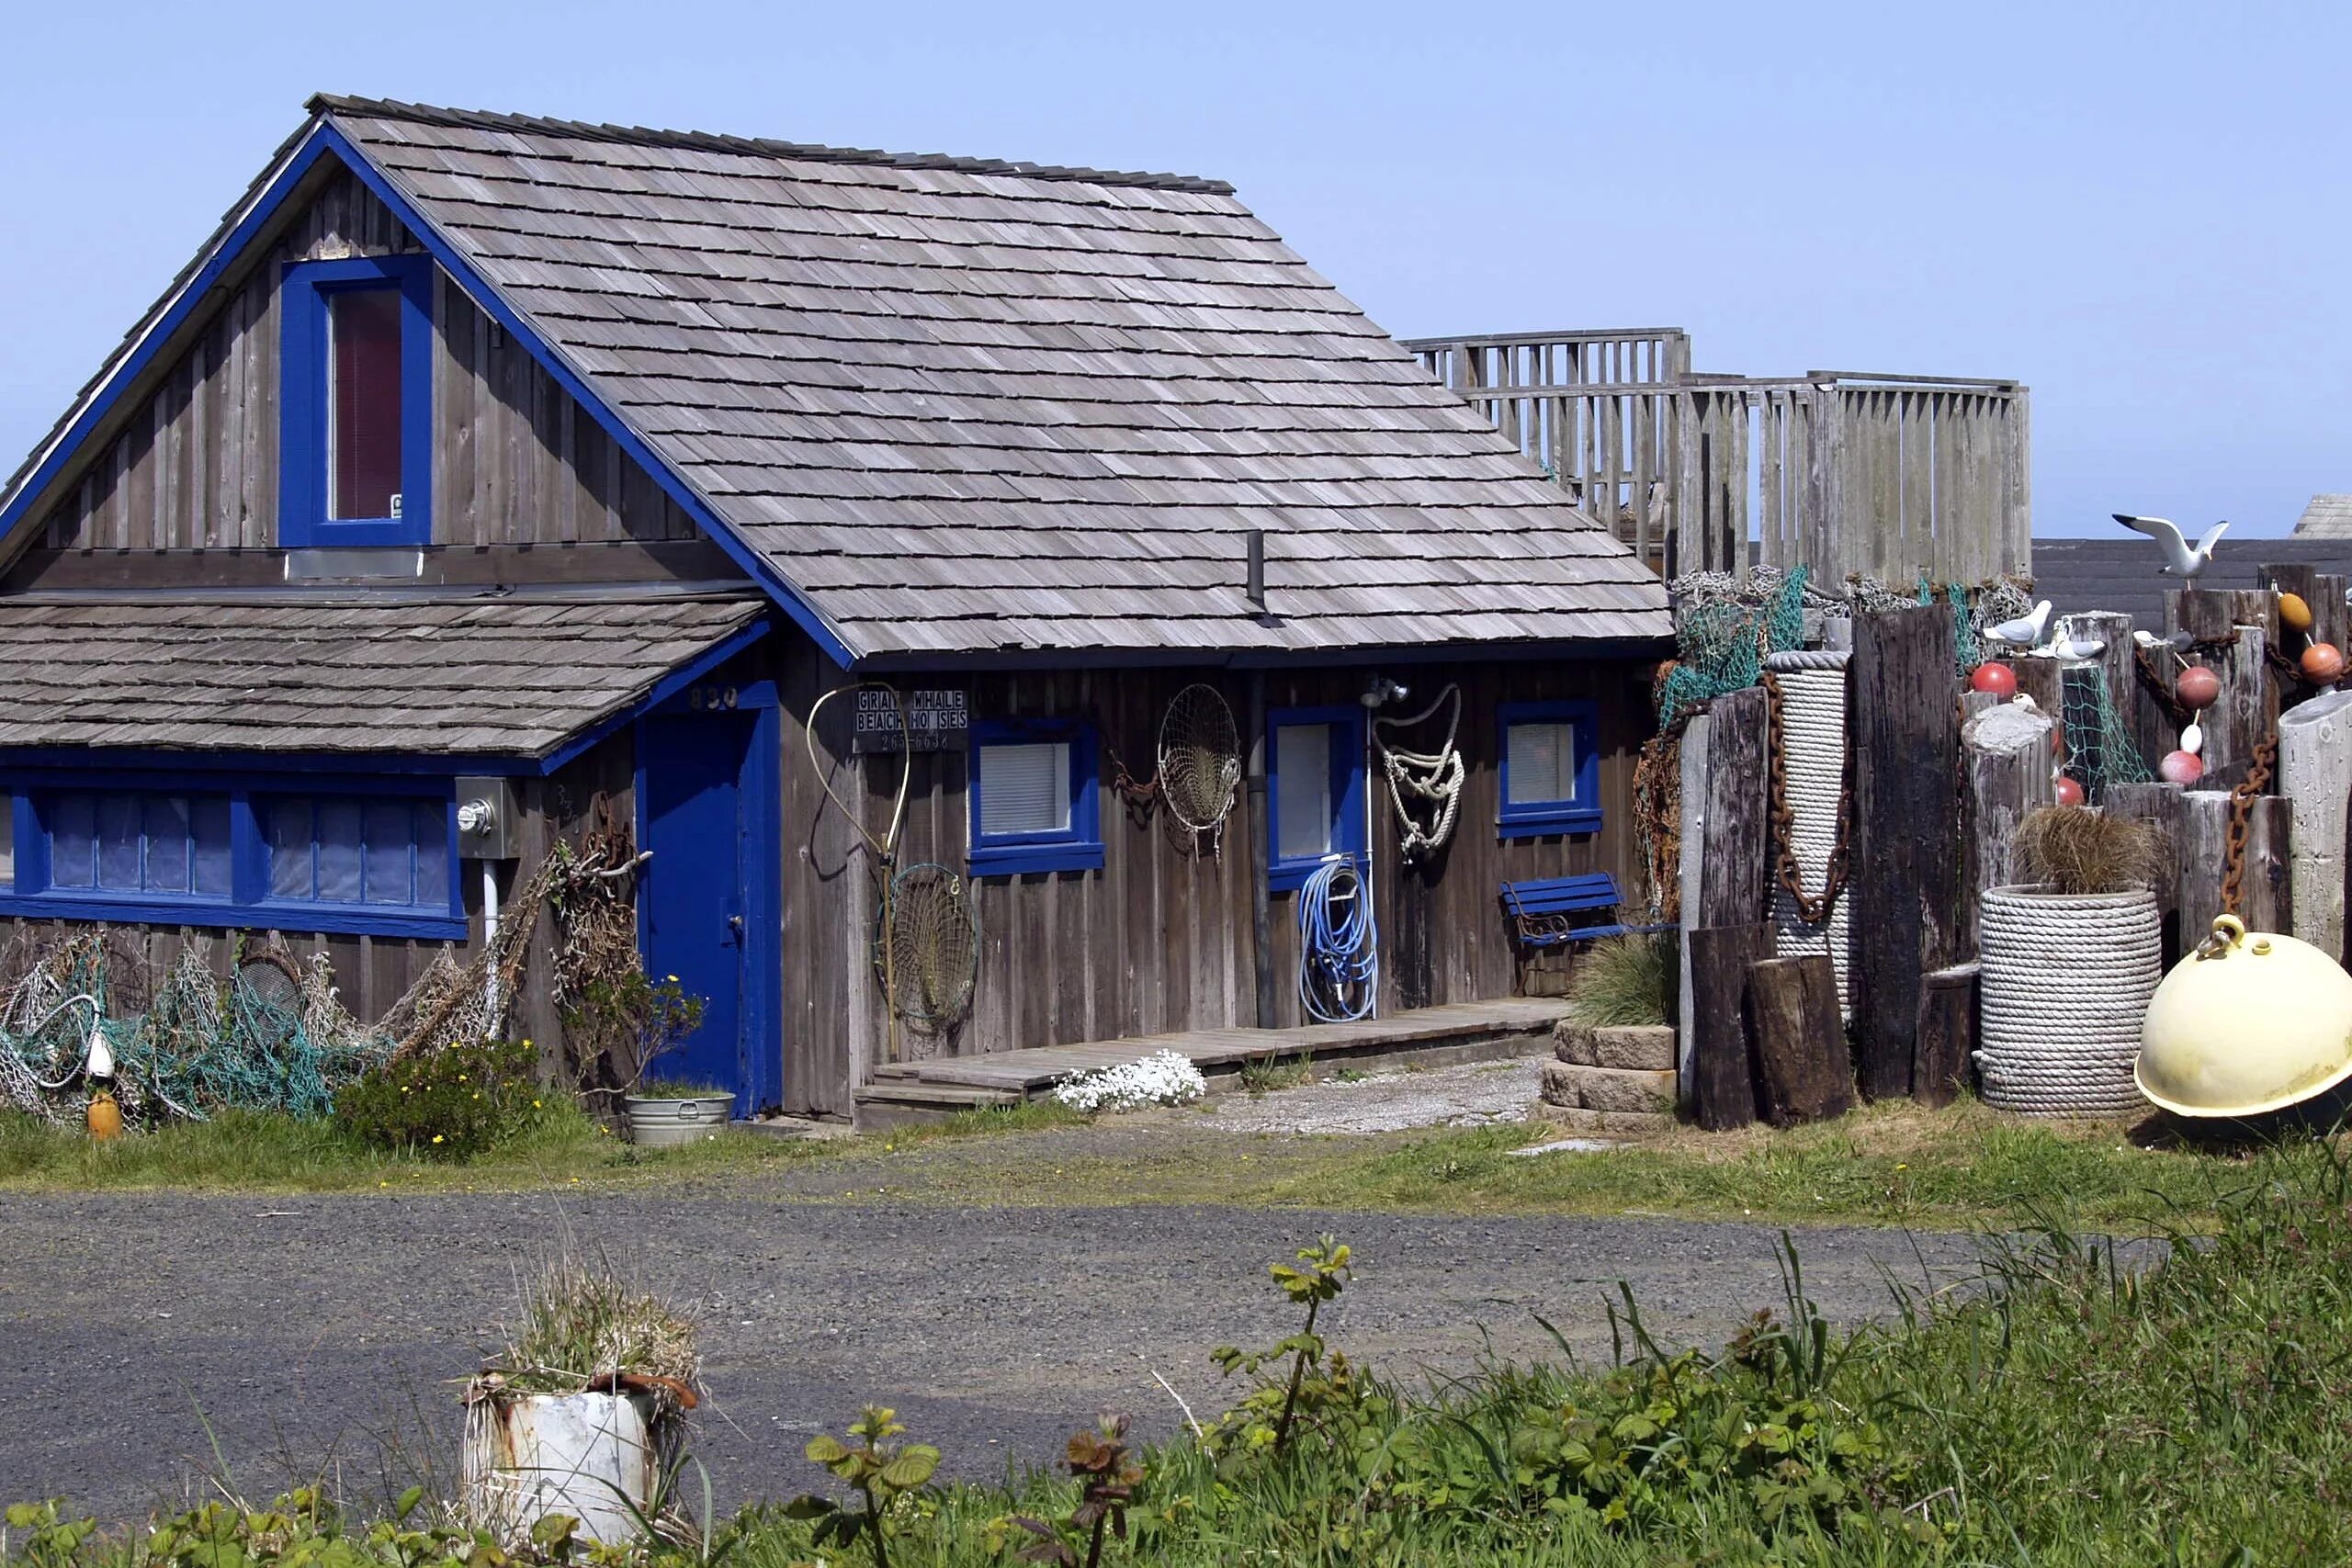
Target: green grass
[(2079, 1414)]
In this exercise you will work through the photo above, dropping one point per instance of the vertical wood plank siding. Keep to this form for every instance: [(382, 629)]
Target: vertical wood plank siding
[(517, 460), (372, 973), (1160, 939)]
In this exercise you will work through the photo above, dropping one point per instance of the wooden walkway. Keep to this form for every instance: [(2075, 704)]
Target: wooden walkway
[(1463, 1026)]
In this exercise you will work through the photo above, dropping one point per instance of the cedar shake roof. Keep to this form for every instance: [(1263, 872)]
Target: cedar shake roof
[(969, 407), (306, 673)]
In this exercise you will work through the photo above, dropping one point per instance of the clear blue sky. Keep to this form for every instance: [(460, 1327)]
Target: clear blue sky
[(2143, 211)]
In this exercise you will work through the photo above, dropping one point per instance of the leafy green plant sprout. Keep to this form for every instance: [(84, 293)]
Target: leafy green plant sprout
[(1323, 1273), (879, 1471), (1107, 1474)]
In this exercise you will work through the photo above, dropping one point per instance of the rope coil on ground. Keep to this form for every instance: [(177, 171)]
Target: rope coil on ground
[(2064, 985)]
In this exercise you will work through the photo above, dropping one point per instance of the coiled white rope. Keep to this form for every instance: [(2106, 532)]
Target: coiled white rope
[(1812, 734), (1428, 775), (2065, 986), (1339, 947)]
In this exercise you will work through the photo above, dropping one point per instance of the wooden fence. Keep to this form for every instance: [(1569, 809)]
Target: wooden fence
[(1884, 476)]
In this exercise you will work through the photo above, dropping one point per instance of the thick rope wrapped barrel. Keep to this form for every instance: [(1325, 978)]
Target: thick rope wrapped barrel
[(1813, 697), (2064, 985)]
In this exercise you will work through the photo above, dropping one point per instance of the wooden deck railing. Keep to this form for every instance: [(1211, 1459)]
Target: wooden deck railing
[(1844, 472)]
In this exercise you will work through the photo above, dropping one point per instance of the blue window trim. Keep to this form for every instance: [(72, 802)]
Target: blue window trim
[(1350, 831), (302, 494), (248, 905), (1078, 846), (1580, 813)]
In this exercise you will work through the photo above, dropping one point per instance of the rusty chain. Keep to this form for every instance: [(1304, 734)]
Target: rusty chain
[(1813, 909), (2257, 779)]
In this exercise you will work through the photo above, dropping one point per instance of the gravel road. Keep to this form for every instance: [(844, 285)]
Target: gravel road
[(325, 1335)]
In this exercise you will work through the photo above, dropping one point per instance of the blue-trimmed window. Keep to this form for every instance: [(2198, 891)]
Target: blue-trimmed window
[(357, 465), (1315, 792), (375, 857), (1551, 772), (1034, 803)]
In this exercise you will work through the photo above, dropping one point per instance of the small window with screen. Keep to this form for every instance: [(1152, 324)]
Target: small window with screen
[(1315, 793), (1551, 775), (1033, 798)]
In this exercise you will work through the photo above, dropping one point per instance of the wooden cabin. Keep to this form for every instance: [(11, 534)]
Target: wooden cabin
[(485, 477)]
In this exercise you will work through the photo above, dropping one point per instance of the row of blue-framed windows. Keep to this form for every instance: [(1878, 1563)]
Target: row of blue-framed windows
[(356, 431), (380, 860)]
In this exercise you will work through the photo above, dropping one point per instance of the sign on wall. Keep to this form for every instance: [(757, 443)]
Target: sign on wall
[(936, 721)]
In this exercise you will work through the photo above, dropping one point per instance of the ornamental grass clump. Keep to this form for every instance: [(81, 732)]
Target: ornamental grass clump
[(1623, 980), (2081, 852), (1165, 1077), (584, 1327)]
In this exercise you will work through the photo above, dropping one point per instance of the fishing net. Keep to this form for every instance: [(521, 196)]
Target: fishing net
[(1200, 758), (1722, 627), (2100, 750), (926, 947)]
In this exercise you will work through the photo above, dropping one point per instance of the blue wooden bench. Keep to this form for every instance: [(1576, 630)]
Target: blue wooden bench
[(1545, 912)]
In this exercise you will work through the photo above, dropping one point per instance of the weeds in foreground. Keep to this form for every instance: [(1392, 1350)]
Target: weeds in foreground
[(879, 1471), (1263, 1075)]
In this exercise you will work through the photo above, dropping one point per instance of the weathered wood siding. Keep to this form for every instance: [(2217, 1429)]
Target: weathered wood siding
[(516, 461), (1160, 939), (372, 973)]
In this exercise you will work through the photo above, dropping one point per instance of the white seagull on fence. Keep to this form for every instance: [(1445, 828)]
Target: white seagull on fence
[(2025, 631), (2180, 559)]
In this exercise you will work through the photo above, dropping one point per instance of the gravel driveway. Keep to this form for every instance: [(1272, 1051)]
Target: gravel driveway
[(311, 1334)]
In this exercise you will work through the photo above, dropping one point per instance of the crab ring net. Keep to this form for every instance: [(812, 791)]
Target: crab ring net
[(1200, 758), (927, 946)]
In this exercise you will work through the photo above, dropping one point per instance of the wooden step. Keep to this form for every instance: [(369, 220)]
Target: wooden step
[(905, 1103)]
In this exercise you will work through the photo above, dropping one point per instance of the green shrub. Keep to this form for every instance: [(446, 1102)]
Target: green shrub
[(450, 1104), (1625, 980)]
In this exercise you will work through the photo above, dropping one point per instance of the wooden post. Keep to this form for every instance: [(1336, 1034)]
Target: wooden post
[(2006, 752), (1723, 1090), (1723, 829), (2265, 891), (1906, 730), (1946, 1034), (2315, 776), (1803, 1073), (2323, 592), (2159, 805), (2247, 709)]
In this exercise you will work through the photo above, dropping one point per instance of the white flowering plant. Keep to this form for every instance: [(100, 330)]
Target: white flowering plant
[(1165, 1077)]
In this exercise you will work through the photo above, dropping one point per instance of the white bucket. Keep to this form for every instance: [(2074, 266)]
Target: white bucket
[(594, 1456), (659, 1123)]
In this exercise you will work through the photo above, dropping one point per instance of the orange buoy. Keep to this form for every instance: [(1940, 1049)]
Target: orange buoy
[(2293, 614), (2070, 790), (2323, 664), (104, 1117), (1998, 679), (2197, 687)]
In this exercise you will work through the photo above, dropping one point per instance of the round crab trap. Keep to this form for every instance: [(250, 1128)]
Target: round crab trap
[(1200, 758), (926, 948)]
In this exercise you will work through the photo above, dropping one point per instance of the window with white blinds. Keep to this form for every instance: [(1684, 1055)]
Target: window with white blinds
[(1302, 790), (1540, 761), (1024, 787)]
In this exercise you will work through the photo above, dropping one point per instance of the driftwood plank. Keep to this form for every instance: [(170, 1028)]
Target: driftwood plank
[(1722, 1091), (2159, 806), (1906, 865), (1802, 1070)]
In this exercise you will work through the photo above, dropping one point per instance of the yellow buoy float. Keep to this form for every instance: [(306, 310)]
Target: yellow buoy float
[(2251, 1022), (2293, 612)]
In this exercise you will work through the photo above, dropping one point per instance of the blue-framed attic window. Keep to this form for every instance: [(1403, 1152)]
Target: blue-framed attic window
[(1033, 798), (1315, 791), (352, 855), (356, 410), (1551, 769)]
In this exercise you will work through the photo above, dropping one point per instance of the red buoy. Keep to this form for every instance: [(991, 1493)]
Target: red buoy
[(2070, 790), (2323, 664), (2197, 687), (1996, 678), (2181, 768)]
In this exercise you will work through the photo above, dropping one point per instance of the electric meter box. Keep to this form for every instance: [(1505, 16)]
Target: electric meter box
[(487, 825)]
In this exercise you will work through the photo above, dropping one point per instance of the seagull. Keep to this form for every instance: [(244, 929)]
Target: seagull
[(2180, 559), (2023, 632), (2066, 645)]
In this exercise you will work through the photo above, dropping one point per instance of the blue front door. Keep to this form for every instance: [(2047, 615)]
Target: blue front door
[(697, 910)]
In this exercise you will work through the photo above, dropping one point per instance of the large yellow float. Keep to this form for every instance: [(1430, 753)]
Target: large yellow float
[(2251, 1024)]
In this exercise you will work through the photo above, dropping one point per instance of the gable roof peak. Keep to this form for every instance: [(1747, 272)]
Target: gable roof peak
[(642, 136)]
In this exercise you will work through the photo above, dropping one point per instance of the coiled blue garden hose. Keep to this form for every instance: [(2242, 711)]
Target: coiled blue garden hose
[(1339, 949)]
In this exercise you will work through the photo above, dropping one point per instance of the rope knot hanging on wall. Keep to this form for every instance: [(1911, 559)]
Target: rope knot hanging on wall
[(1433, 779)]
